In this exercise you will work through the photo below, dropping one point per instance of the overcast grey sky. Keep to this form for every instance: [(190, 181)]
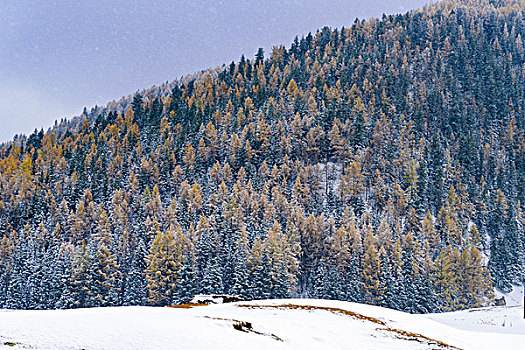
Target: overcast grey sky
[(58, 56)]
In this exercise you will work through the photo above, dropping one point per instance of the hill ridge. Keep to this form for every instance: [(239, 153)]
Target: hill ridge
[(378, 163)]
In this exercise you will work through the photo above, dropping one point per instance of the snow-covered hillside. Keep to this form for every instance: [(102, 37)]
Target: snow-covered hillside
[(500, 319), (275, 324), (507, 319), (514, 298)]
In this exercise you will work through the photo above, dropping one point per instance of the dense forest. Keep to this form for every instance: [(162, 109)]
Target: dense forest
[(381, 163)]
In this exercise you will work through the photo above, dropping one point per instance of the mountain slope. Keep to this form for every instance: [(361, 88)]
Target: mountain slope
[(382, 163)]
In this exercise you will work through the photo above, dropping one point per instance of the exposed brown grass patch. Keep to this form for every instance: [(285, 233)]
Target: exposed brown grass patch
[(400, 334), (309, 307), (185, 306)]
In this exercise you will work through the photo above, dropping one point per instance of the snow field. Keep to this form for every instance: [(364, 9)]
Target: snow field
[(211, 327)]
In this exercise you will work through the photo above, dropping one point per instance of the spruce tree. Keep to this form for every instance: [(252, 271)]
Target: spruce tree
[(187, 283)]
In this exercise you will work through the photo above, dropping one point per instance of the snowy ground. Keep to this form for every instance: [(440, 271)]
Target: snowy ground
[(498, 319), (276, 324)]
